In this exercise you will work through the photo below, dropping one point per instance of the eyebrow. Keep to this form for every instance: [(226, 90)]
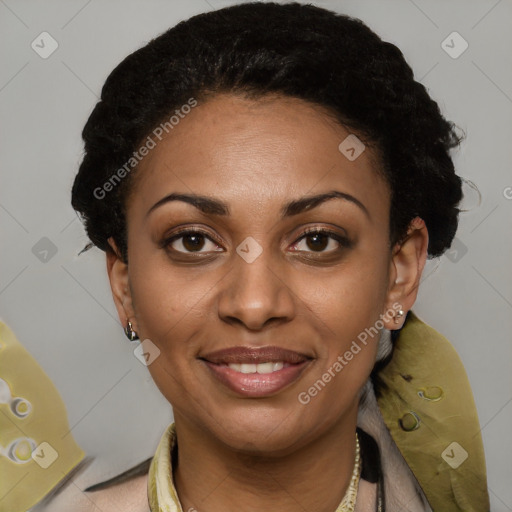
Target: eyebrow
[(212, 206)]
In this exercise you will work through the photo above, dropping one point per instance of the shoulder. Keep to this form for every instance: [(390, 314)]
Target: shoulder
[(128, 496), (427, 404)]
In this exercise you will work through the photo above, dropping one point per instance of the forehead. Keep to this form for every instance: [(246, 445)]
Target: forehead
[(256, 152)]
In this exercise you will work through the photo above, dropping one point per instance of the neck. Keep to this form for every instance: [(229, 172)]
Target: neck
[(212, 477)]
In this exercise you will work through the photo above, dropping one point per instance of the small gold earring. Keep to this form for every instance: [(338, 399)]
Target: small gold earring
[(399, 314)]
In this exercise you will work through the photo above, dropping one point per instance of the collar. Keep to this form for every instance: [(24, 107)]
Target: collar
[(162, 495)]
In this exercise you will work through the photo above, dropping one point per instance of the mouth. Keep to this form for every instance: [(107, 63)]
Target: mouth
[(256, 372)]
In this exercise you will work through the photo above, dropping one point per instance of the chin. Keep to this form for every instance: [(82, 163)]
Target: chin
[(264, 430)]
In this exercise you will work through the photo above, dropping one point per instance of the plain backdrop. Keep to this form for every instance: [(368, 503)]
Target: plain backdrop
[(59, 304)]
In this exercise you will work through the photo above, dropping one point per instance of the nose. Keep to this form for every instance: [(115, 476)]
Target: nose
[(256, 293)]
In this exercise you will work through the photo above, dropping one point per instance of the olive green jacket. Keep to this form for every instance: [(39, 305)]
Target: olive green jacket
[(427, 404)]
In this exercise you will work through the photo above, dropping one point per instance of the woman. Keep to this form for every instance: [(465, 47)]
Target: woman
[(267, 182)]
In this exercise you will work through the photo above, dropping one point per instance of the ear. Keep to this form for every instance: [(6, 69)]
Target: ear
[(119, 283), (406, 266)]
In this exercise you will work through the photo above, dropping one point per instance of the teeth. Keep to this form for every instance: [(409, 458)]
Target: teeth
[(257, 368), (248, 368), (265, 367), (278, 366)]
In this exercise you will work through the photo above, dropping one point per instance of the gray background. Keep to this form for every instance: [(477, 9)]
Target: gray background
[(61, 309)]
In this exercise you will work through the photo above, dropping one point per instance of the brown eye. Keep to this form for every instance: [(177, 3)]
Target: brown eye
[(318, 240), (190, 241)]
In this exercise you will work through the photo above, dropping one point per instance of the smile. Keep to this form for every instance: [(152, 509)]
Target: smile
[(256, 372)]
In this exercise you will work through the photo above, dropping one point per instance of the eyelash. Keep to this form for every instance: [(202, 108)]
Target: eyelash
[(344, 242)]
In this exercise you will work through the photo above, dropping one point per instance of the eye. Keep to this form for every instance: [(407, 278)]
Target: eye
[(318, 240), (190, 241), (315, 240)]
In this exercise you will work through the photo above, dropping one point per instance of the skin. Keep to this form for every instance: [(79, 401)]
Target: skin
[(310, 295)]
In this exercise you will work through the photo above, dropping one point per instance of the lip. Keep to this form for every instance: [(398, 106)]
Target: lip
[(254, 355), (255, 384)]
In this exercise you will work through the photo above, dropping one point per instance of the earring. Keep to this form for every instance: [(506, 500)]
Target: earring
[(130, 333), (399, 314)]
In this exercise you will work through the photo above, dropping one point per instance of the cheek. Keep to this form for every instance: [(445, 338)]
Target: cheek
[(347, 306), (346, 358), (174, 380), (170, 310), (350, 297), (167, 303), (333, 392)]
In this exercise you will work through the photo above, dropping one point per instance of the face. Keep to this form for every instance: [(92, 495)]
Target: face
[(251, 290)]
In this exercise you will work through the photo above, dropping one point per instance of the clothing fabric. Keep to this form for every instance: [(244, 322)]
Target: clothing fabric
[(37, 448), (426, 401), (427, 407), (402, 491)]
